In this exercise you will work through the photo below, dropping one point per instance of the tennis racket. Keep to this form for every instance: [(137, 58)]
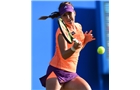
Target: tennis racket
[(65, 32)]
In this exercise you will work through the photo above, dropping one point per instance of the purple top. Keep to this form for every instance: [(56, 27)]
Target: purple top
[(66, 8)]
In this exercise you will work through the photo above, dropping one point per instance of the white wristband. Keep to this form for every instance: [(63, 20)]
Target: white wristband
[(72, 48)]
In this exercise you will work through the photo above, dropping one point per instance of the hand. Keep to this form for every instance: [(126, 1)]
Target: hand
[(77, 44), (89, 37)]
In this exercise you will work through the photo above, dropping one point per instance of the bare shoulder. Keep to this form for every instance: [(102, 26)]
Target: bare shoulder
[(78, 25)]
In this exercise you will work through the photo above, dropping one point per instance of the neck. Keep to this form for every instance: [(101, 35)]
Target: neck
[(72, 27)]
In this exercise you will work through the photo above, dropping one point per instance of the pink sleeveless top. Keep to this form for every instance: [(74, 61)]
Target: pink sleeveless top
[(69, 64)]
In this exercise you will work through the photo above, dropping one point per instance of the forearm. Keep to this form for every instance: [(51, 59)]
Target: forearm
[(67, 53)]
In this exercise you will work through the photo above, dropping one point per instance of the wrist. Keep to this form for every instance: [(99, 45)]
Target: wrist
[(73, 49)]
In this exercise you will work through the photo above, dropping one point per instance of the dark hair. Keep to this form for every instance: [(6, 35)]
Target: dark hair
[(57, 14)]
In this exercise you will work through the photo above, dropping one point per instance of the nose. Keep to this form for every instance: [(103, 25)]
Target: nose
[(68, 17)]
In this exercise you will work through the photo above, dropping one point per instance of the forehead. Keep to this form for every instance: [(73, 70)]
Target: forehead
[(67, 12)]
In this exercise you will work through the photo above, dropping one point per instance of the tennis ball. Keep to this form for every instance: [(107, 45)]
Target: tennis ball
[(101, 50)]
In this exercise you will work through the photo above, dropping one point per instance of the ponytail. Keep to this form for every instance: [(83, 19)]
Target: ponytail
[(53, 15)]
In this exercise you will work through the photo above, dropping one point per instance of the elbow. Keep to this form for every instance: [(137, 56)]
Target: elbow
[(64, 57)]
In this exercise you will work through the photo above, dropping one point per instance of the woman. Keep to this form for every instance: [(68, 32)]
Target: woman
[(61, 73)]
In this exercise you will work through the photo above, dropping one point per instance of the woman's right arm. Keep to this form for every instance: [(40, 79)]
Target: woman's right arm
[(65, 51)]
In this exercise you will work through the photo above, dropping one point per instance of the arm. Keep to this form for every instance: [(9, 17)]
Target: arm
[(65, 51), (88, 38)]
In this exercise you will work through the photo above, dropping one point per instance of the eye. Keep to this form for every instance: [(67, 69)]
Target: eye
[(69, 13), (64, 15)]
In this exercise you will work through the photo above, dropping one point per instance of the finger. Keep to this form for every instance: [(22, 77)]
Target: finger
[(93, 38), (86, 32), (79, 46), (79, 42), (75, 40), (90, 32)]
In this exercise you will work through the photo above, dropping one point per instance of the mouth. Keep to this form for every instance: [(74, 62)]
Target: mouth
[(69, 21)]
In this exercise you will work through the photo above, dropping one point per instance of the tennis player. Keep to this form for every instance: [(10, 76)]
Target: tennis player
[(61, 73)]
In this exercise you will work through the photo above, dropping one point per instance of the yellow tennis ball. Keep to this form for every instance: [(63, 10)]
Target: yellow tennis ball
[(101, 50)]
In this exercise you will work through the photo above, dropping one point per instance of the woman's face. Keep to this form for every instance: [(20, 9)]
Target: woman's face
[(69, 17)]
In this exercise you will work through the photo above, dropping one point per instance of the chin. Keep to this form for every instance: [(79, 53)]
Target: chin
[(70, 23)]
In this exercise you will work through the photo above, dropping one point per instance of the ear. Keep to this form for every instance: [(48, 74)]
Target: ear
[(75, 12)]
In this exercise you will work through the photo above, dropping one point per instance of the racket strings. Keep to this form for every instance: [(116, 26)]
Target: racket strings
[(65, 31)]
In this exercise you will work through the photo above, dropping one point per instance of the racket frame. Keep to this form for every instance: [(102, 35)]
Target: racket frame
[(70, 35)]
